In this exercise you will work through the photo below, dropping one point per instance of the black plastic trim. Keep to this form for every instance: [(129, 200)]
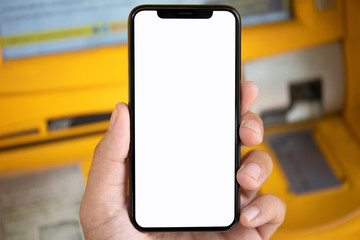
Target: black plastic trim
[(182, 8)]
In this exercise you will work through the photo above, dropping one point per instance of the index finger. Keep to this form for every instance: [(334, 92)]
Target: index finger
[(249, 93)]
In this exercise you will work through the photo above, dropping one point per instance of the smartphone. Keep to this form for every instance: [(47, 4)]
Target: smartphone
[(184, 101)]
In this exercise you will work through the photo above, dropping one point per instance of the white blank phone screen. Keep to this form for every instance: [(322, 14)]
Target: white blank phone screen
[(184, 120)]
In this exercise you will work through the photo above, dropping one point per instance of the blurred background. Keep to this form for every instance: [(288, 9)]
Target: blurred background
[(63, 68)]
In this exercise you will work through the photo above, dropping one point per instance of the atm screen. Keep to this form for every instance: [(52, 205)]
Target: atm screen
[(38, 27), (254, 12)]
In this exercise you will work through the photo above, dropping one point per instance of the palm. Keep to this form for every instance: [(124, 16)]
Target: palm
[(124, 229), (236, 233), (127, 231)]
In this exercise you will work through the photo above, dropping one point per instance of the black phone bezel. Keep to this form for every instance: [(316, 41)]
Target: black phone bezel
[(131, 101)]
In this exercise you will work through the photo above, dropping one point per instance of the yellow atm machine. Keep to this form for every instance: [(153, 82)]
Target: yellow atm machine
[(306, 69), (63, 68), (61, 74)]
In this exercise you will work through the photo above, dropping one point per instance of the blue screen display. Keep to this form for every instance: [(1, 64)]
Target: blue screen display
[(37, 27)]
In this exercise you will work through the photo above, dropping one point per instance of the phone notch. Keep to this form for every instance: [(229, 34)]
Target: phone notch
[(185, 13)]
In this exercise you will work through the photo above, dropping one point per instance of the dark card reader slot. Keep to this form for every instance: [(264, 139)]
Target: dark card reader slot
[(69, 122)]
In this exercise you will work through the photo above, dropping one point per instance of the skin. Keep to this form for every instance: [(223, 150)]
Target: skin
[(104, 207)]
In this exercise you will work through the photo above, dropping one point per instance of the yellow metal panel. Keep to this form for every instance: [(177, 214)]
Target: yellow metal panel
[(64, 71), (24, 108), (32, 111), (352, 58), (327, 214), (78, 150)]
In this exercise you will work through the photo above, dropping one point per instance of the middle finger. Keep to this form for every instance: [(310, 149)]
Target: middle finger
[(255, 169)]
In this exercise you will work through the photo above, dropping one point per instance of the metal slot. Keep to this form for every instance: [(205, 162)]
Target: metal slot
[(302, 162), (69, 122), (19, 133), (305, 103)]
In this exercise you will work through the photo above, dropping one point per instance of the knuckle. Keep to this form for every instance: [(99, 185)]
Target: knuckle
[(261, 153), (266, 159), (258, 119), (272, 201), (260, 157), (275, 202), (99, 149), (251, 115)]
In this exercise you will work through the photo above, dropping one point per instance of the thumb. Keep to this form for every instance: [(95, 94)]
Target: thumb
[(107, 181)]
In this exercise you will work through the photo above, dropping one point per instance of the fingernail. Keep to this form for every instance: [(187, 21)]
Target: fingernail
[(251, 213), (252, 170), (113, 117), (251, 124)]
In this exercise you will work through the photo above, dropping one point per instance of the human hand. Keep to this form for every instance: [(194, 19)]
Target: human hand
[(104, 208)]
